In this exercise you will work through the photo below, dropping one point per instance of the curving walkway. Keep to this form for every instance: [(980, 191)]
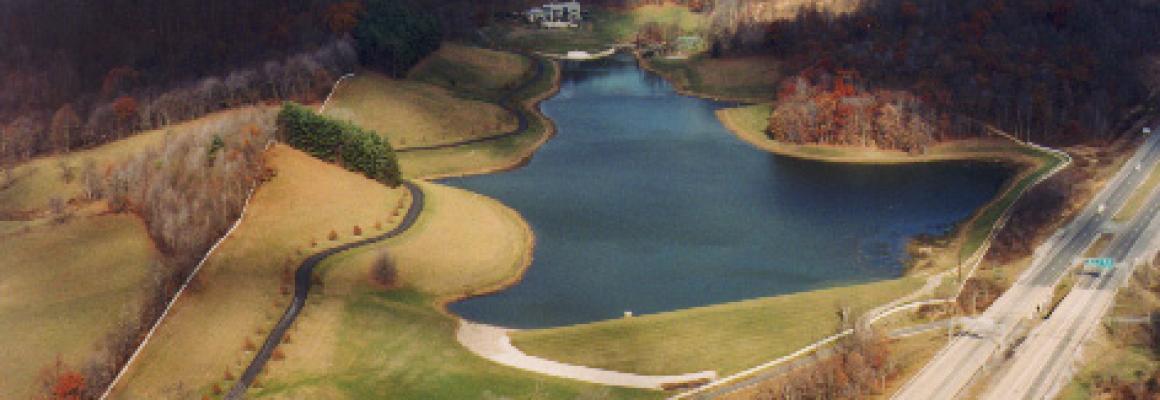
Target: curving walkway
[(508, 102), (302, 288), (494, 344)]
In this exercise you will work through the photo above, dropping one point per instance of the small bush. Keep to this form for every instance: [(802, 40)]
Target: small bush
[(287, 274), (217, 389), (248, 345), (357, 231), (59, 210), (278, 355), (378, 225), (332, 235), (229, 376), (384, 271), (67, 171)]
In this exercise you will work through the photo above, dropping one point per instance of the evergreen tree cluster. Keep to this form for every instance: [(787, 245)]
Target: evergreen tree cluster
[(393, 35), (332, 140)]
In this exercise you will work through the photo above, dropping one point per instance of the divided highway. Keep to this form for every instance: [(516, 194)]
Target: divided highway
[(1042, 364), (953, 369)]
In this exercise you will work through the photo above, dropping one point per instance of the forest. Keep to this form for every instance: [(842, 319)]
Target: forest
[(79, 74), (1053, 71)]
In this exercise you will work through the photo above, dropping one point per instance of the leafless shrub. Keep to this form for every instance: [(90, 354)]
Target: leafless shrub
[(59, 210), (859, 365), (384, 271), (68, 172), (91, 180)]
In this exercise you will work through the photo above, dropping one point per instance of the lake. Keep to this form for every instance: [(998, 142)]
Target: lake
[(643, 201)]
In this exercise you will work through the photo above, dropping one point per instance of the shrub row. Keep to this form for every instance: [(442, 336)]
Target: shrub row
[(332, 140)]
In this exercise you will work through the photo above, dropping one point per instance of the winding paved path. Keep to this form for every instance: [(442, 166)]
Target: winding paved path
[(302, 289), (494, 344), (505, 102)]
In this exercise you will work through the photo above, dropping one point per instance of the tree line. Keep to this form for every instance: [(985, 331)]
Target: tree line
[(857, 366), (338, 141), (1056, 71), (822, 108), (80, 74), (188, 191)]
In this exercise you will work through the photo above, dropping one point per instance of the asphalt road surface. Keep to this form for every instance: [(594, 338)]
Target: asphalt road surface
[(302, 281), (1043, 363), (956, 365)]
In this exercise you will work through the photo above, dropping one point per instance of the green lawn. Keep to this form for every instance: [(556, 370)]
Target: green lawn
[(357, 341), (396, 345), (726, 338)]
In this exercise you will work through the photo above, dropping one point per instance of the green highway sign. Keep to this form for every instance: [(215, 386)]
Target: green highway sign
[(1105, 263)]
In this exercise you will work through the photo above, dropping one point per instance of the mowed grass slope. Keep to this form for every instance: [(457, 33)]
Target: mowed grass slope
[(449, 98), (747, 78), (62, 290), (472, 72), (413, 114), (397, 343), (727, 338), (65, 286), (238, 295)]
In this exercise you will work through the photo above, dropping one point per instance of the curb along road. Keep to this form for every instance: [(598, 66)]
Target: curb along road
[(302, 278)]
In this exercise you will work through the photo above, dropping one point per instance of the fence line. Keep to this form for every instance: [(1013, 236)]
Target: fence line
[(184, 285)]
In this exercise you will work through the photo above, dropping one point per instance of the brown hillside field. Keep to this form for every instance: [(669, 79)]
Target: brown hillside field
[(472, 71), (490, 251), (62, 290), (240, 296), (39, 180), (410, 114)]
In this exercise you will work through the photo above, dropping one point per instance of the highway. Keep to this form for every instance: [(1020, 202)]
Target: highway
[(956, 365), (1043, 363)]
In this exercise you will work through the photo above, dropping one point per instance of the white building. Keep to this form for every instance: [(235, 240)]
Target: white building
[(563, 14)]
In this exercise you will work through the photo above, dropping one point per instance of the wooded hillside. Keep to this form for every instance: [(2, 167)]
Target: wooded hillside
[(78, 74), (1055, 71)]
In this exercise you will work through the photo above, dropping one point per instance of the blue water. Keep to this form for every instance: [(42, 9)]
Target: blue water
[(644, 202)]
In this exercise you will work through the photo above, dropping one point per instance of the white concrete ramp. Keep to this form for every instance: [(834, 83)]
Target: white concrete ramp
[(493, 343)]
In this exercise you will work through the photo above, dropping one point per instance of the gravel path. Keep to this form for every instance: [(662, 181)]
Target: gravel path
[(493, 343)]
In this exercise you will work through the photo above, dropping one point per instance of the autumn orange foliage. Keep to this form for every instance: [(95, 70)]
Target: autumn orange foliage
[(342, 17), (62, 383)]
